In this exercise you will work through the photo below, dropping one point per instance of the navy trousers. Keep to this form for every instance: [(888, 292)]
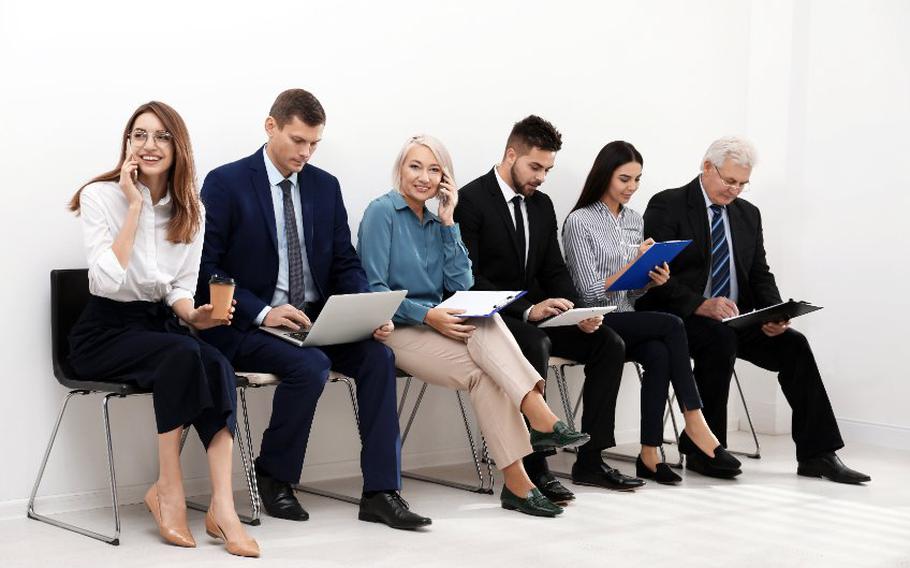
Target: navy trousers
[(304, 372), (142, 343)]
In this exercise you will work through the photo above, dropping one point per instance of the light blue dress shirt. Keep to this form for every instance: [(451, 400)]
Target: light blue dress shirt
[(399, 252), (280, 296), (734, 285)]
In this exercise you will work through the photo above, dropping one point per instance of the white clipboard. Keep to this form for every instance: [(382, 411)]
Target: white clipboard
[(576, 315)]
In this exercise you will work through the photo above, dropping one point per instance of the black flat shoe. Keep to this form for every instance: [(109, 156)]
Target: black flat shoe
[(534, 504), (700, 463), (604, 476), (561, 437), (663, 475), (278, 498), (552, 489), (389, 508), (722, 460), (829, 466)]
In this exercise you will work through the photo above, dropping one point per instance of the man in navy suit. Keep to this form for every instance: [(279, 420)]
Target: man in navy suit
[(278, 226)]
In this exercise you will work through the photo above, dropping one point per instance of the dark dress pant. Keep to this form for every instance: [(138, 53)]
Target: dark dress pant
[(715, 347), (142, 343), (602, 353), (304, 372)]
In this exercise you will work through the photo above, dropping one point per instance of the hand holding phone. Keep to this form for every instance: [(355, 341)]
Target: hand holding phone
[(129, 174)]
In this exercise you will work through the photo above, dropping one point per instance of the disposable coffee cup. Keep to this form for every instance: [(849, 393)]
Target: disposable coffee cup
[(221, 292)]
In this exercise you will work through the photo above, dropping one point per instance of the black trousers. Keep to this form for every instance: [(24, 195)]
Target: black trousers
[(715, 348), (657, 341), (143, 343), (603, 354)]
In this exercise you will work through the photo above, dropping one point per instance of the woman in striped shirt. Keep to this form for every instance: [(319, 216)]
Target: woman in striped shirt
[(602, 238)]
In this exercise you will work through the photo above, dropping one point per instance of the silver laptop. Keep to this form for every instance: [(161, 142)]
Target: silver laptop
[(346, 318)]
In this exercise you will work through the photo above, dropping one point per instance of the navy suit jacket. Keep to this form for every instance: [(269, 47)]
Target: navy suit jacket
[(241, 241)]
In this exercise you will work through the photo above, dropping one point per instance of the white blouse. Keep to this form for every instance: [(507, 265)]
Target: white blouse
[(157, 270)]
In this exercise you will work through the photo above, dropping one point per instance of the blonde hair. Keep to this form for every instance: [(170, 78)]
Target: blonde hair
[(434, 145)]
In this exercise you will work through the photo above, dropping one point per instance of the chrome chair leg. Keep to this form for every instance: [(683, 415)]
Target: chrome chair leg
[(757, 453), (482, 487), (32, 514), (562, 384)]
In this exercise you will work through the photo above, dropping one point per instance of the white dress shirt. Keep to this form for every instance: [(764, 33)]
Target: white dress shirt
[(508, 194), (282, 284), (157, 269), (734, 285)]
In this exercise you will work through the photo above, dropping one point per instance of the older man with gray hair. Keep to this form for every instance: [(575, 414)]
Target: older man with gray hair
[(721, 274)]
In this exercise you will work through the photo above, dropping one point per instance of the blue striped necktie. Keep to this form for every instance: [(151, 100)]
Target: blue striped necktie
[(720, 255)]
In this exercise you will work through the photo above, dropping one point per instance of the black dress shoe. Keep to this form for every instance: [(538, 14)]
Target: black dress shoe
[(388, 507), (562, 436), (829, 465), (534, 504), (278, 498), (604, 476), (663, 475), (700, 463), (551, 488)]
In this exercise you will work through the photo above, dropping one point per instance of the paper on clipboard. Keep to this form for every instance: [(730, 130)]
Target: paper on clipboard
[(480, 303)]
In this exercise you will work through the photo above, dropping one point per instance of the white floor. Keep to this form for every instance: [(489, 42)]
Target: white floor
[(767, 517)]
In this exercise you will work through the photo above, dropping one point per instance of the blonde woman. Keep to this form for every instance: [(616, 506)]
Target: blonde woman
[(403, 245)]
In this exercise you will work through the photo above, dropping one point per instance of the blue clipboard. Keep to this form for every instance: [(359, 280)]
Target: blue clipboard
[(637, 275)]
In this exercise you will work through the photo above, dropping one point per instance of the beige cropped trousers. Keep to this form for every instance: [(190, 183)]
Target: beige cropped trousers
[(490, 366)]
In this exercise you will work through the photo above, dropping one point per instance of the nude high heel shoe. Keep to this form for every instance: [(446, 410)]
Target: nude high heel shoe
[(248, 547), (175, 534)]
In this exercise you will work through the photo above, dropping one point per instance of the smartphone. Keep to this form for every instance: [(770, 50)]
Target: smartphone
[(129, 156), (439, 194)]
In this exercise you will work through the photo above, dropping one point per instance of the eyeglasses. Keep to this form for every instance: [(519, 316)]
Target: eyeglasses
[(159, 137), (732, 185)]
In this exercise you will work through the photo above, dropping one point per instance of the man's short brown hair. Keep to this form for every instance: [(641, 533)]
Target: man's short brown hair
[(299, 103)]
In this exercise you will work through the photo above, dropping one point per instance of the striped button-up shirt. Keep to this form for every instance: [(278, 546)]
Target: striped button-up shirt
[(598, 244)]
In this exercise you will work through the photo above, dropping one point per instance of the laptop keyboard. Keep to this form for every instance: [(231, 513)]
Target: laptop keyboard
[(299, 335)]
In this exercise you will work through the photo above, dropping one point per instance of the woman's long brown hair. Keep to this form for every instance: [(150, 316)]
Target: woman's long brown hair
[(187, 212)]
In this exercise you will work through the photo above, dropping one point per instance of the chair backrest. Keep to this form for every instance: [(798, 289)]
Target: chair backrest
[(69, 296)]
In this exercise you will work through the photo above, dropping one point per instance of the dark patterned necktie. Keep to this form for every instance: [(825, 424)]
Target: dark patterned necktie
[(519, 228), (296, 286), (720, 255)]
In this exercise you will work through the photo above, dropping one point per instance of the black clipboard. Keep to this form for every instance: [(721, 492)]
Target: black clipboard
[(778, 312)]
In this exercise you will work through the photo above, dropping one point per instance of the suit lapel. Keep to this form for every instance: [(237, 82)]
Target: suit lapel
[(260, 181), (738, 230), (535, 232), (698, 218), (502, 209), (307, 199)]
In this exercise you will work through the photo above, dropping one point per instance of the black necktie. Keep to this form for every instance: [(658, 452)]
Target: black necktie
[(720, 255), (296, 286), (519, 228)]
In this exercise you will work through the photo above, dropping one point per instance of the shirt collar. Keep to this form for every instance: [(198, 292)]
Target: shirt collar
[(601, 207), (400, 204), (165, 200), (275, 176), (708, 202), (507, 192)]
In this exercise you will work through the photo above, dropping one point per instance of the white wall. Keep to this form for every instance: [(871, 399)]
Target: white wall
[(667, 76)]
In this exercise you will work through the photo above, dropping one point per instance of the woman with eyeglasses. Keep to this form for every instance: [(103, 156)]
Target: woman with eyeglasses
[(603, 238), (143, 227), (404, 246)]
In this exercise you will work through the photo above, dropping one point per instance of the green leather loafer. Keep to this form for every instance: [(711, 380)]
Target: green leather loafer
[(561, 436), (534, 504)]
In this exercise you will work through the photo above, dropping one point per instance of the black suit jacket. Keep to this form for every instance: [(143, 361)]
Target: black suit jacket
[(489, 234), (681, 214)]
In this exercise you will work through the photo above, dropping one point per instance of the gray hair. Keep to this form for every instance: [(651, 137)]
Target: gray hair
[(740, 150), (435, 146)]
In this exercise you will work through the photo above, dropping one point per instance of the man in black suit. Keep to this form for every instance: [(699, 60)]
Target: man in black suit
[(721, 274), (509, 229)]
